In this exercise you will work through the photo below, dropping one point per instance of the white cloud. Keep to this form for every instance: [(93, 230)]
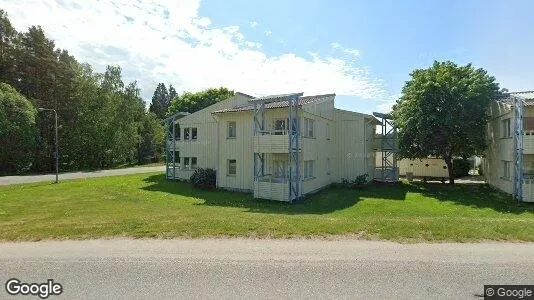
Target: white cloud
[(253, 24), (168, 41), (268, 32), (349, 51)]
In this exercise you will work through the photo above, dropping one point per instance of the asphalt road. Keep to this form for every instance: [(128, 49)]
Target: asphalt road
[(7, 180), (246, 268)]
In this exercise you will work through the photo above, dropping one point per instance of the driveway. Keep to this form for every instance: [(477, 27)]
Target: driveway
[(250, 269), (6, 180)]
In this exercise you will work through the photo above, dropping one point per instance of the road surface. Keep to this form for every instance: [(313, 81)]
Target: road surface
[(6, 180), (250, 269)]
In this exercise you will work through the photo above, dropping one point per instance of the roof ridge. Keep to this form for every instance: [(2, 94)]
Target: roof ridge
[(521, 92)]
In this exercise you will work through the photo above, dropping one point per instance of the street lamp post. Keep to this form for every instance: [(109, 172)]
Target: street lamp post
[(56, 153)]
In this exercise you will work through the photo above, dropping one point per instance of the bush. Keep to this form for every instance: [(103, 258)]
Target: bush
[(356, 183), (460, 167), (204, 178), (18, 131)]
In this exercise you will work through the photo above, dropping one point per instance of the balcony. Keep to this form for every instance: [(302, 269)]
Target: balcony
[(271, 142), (528, 142), (528, 188), (271, 188)]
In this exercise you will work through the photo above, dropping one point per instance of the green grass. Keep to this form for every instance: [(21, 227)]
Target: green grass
[(147, 205)]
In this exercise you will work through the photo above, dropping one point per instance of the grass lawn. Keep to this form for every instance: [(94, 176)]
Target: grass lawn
[(147, 205)]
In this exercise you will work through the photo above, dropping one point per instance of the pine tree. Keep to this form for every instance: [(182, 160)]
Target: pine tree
[(160, 101)]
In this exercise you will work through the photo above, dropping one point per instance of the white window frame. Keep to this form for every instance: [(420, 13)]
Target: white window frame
[(506, 128), (194, 133), (187, 163), (506, 172), (309, 130), (309, 169), (195, 164), (229, 130), (285, 128), (187, 133), (229, 163)]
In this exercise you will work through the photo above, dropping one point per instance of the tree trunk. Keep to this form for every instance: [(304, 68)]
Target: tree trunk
[(448, 162)]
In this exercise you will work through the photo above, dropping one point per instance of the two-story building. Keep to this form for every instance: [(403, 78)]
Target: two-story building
[(509, 161), (278, 147)]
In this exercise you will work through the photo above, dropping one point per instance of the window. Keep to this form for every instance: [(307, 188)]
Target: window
[(231, 134), (177, 157), (506, 128), (187, 166), (190, 163), (327, 131), (506, 169), (187, 133), (308, 169), (280, 169), (232, 167), (281, 126), (190, 133), (308, 127), (176, 131), (328, 166)]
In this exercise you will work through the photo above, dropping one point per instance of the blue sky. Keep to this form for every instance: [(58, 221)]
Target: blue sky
[(361, 50)]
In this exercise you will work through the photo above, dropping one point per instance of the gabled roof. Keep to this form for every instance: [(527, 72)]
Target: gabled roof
[(526, 96), (280, 104)]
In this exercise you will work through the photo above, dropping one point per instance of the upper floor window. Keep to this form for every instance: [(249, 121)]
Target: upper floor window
[(506, 130), (308, 127), (281, 126), (190, 133), (232, 129)]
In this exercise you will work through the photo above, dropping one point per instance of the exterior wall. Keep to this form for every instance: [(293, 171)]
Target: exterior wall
[(428, 167), (354, 136), (340, 148), (205, 147), (499, 149)]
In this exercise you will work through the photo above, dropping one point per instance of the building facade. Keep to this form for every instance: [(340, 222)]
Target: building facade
[(509, 161), (277, 147)]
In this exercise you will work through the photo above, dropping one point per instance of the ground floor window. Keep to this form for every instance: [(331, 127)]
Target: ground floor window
[(308, 169), (190, 163), (232, 167), (506, 169)]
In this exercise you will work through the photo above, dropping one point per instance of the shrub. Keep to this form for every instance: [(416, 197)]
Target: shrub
[(358, 182), (460, 167), (204, 178)]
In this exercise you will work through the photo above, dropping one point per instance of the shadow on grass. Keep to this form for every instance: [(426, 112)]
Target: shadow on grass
[(323, 202), (474, 195), (335, 199)]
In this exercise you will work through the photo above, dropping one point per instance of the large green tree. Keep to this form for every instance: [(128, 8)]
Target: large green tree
[(192, 102), (17, 131), (160, 101), (442, 112), (152, 137)]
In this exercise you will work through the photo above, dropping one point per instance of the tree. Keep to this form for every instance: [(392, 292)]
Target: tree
[(192, 102), (152, 137), (442, 112), (17, 131), (160, 101), (172, 95)]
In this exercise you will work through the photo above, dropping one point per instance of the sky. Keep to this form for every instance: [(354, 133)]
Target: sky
[(363, 51)]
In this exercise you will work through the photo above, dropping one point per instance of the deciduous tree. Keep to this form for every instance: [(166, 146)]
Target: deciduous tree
[(442, 112)]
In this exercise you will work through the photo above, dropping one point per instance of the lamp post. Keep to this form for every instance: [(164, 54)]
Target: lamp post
[(56, 153)]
